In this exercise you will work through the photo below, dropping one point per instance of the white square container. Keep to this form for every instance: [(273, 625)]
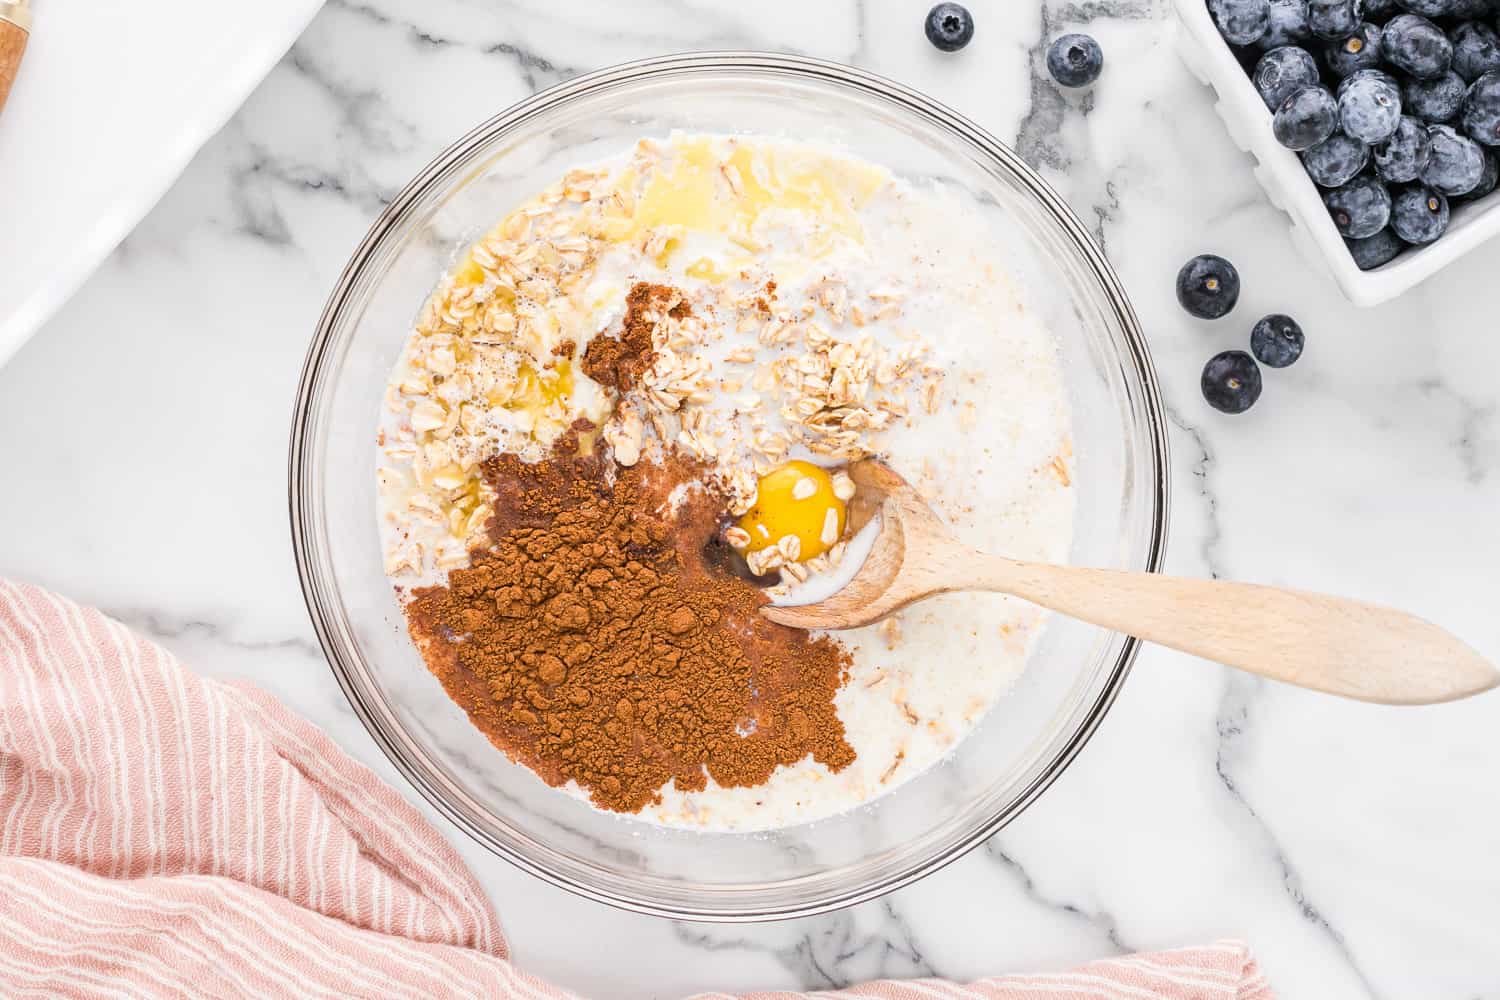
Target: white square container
[(1280, 173)]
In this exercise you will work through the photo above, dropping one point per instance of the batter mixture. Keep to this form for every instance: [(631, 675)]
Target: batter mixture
[(711, 329)]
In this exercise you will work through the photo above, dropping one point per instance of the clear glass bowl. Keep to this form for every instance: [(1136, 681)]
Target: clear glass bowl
[(1017, 750)]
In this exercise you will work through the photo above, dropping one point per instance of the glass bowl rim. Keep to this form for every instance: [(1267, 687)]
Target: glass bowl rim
[(302, 474)]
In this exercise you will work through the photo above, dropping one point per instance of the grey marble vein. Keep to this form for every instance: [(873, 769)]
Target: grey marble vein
[(1202, 469), (834, 952), (668, 24), (363, 111), (860, 53), (165, 628), (1104, 211), (1473, 419), (418, 35), (1233, 731), (257, 172), (1096, 921), (536, 70)]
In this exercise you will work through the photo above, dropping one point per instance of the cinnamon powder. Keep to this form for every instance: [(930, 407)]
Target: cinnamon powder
[(619, 363), (603, 639)]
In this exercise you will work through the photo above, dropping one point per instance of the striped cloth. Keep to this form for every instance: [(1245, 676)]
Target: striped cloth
[(162, 835)]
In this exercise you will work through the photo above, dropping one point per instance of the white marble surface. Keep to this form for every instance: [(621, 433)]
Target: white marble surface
[(143, 433)]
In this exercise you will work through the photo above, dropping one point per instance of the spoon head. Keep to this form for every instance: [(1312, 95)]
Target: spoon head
[(862, 600), (879, 588)]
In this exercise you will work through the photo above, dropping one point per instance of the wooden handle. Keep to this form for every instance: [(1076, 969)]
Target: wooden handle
[(12, 47), (1343, 647)]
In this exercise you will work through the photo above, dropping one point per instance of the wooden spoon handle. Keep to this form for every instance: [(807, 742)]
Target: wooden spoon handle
[(1343, 647), (15, 29), (12, 46)]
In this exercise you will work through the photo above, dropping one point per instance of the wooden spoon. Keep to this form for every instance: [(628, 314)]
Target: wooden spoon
[(1343, 647)]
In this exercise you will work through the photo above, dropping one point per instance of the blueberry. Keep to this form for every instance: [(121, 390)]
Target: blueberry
[(1288, 24), (1336, 160), (1419, 215), (1371, 252), (1381, 11), (1360, 50), (1481, 110), (1402, 158), (1457, 162), (1476, 50), (1414, 44), (1427, 8), (1241, 22), (949, 26), (1282, 72), (1370, 105), (1075, 60), (1276, 341), (1208, 286), (1470, 9), (1231, 382), (1487, 180), (1360, 208), (1332, 18), (1436, 100), (1306, 118)]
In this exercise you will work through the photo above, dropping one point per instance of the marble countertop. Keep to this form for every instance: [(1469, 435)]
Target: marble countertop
[(1356, 848)]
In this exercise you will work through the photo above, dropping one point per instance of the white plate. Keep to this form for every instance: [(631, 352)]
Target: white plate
[(1280, 172), (112, 101)]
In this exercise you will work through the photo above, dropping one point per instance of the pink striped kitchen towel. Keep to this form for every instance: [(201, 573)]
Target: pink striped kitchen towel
[(162, 835)]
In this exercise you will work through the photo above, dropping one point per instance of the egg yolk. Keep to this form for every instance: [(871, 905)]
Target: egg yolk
[(796, 499)]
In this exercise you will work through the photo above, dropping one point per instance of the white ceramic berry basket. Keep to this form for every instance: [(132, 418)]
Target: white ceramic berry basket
[(1280, 173)]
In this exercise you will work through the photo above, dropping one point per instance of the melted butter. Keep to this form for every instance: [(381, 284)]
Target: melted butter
[(468, 274), (668, 247), (704, 269), (537, 390), (690, 191)]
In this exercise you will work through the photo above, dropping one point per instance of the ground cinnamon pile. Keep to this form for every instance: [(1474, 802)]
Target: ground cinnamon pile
[(602, 640), (619, 362)]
